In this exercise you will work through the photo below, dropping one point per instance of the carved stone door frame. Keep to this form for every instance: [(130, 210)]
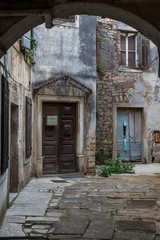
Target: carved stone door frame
[(79, 128)]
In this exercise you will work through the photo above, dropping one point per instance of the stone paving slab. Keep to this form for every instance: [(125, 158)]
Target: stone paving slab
[(146, 202), (27, 211), (137, 225), (11, 230), (100, 229), (71, 227), (59, 237), (121, 207), (133, 235), (42, 219), (15, 219)]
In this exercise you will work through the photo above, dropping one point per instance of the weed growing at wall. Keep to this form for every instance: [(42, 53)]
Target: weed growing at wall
[(30, 54), (100, 71), (99, 39), (154, 59), (101, 155), (116, 166)]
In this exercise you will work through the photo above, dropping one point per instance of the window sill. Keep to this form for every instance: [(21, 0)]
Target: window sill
[(127, 69)]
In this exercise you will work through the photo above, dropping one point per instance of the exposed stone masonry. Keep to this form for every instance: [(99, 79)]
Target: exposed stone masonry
[(119, 84)]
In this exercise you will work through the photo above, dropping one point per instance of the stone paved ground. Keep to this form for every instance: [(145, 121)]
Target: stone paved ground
[(121, 207)]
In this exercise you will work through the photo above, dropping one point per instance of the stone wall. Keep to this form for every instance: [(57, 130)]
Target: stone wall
[(118, 84)]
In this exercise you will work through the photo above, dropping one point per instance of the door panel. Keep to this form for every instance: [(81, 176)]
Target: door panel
[(135, 135), (67, 154), (59, 142), (132, 117), (50, 144)]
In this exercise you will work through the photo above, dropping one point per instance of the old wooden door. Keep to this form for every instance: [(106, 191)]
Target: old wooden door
[(59, 138), (129, 134)]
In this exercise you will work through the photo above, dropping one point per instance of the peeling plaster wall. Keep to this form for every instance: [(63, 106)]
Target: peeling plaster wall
[(19, 86), (119, 84), (70, 49), (18, 73)]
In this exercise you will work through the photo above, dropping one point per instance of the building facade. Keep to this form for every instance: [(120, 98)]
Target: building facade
[(49, 93), (64, 93), (16, 165), (48, 104), (127, 94)]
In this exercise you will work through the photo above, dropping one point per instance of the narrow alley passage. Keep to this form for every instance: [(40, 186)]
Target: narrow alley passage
[(121, 207)]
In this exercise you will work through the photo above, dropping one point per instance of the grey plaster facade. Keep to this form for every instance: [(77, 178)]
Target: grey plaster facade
[(68, 49)]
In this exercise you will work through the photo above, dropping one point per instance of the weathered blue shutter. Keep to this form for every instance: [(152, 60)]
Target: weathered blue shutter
[(25, 40), (123, 121), (4, 125)]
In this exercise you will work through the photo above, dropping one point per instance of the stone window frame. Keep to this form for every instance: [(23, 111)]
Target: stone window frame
[(126, 34)]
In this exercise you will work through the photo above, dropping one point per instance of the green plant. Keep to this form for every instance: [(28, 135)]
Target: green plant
[(99, 39), (118, 154), (154, 59), (116, 166), (100, 71), (30, 54), (97, 113), (101, 155)]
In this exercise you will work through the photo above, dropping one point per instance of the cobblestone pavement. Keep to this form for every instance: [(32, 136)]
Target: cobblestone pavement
[(121, 207)]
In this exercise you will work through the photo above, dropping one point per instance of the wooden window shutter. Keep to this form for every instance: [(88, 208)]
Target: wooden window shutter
[(143, 52), (28, 127), (25, 41), (4, 124)]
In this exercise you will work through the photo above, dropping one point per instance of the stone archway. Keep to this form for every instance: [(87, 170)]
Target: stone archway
[(18, 18)]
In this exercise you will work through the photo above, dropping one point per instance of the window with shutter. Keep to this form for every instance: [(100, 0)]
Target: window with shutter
[(25, 41), (128, 49), (28, 127), (135, 49), (28, 44), (4, 124)]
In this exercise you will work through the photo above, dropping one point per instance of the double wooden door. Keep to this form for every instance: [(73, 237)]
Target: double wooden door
[(59, 138), (129, 134)]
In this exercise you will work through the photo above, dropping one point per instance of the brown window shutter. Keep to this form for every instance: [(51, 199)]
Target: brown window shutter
[(28, 127), (4, 125), (123, 50), (144, 52)]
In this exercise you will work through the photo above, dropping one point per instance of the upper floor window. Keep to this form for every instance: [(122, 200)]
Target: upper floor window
[(28, 44), (134, 48), (129, 49)]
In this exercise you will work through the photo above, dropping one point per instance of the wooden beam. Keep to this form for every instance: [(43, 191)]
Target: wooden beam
[(16, 13), (48, 20)]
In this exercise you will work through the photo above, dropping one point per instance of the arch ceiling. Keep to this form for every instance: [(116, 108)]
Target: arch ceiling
[(18, 17)]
